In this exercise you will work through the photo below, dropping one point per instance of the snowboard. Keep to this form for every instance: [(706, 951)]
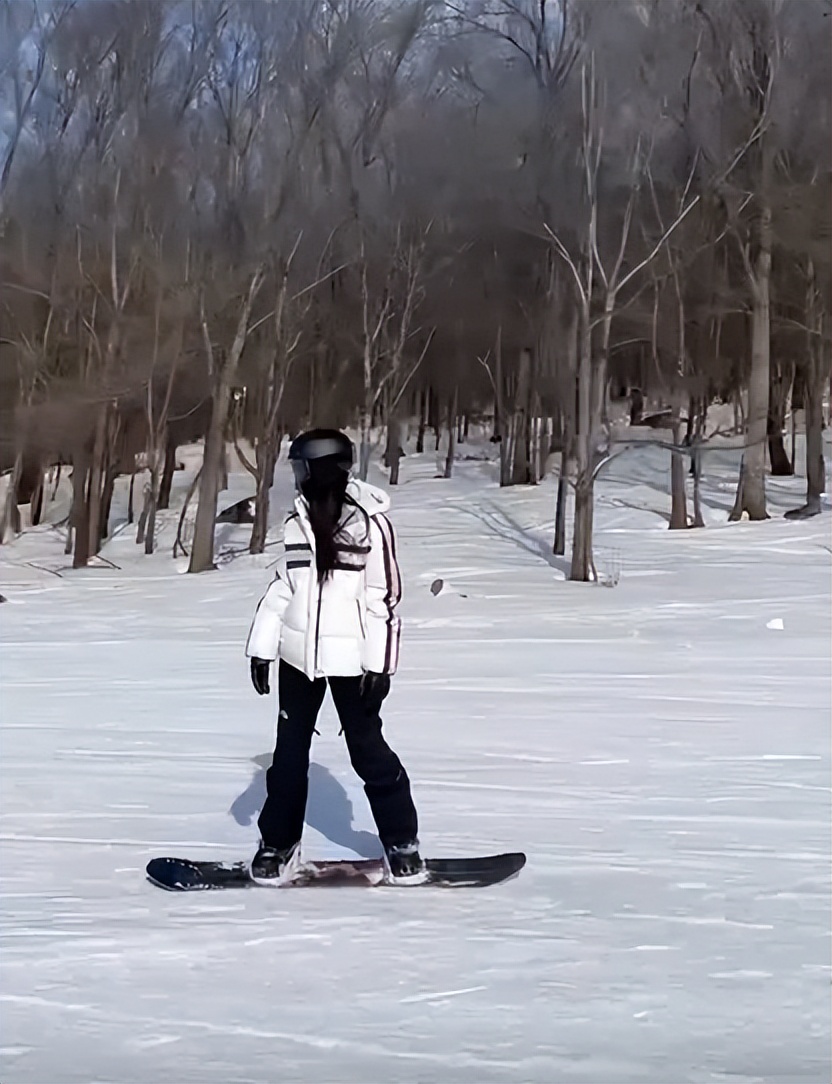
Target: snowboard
[(184, 875)]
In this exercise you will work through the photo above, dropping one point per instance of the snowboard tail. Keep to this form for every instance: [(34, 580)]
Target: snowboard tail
[(184, 875)]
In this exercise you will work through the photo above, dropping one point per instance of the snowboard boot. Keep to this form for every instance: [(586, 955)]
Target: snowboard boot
[(404, 864), (269, 866)]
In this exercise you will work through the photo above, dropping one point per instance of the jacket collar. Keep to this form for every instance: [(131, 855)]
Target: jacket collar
[(371, 499)]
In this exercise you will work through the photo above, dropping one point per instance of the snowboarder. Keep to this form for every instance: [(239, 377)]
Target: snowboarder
[(329, 617)]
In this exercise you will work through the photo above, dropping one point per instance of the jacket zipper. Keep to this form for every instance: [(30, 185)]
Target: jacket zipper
[(317, 629), (310, 538)]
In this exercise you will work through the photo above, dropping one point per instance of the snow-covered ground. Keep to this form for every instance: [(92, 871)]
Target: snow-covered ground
[(660, 750)]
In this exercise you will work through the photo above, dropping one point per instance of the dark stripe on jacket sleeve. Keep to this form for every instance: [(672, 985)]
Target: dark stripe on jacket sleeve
[(393, 585)]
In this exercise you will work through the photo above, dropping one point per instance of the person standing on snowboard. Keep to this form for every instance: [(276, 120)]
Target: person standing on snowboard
[(329, 617)]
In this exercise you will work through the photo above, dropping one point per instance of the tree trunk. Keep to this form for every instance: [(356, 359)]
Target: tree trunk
[(110, 475), (815, 469), (432, 414), (817, 373), (96, 481), (10, 525), (503, 425), (592, 392), (79, 520), (386, 457), (697, 436), (76, 508), (780, 463), (461, 428), (394, 448), (36, 504), (168, 470), (423, 421), (266, 456), (141, 528), (499, 390), (534, 429), (151, 507), (780, 384), (202, 553), (739, 499), (507, 453), (559, 547), (394, 469), (223, 482), (814, 378), (678, 496), (131, 512), (753, 480), (690, 428), (365, 449), (698, 519), (113, 453), (178, 543), (521, 473), (582, 568), (452, 409), (543, 439)]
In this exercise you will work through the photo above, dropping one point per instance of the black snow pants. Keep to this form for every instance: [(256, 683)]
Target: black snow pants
[(287, 781)]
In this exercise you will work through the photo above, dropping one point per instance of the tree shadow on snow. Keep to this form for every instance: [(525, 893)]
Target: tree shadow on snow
[(507, 528), (328, 808)]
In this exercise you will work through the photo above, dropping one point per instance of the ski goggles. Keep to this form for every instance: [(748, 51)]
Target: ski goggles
[(302, 469)]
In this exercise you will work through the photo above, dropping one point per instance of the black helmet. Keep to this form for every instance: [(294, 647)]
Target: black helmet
[(329, 445)]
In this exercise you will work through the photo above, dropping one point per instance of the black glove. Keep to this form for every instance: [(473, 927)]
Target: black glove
[(374, 687), (260, 675)]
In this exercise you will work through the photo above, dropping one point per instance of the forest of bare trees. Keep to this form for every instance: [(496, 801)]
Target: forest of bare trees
[(226, 220)]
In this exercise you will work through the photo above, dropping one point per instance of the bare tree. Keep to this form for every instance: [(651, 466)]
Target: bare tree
[(285, 335), (592, 277), (315, 213), (223, 370), (391, 290), (255, 83), (747, 37), (26, 39)]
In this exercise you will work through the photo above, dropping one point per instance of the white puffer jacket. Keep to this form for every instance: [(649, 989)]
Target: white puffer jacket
[(349, 623)]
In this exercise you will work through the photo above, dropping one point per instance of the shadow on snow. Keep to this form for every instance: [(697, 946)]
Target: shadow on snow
[(328, 808)]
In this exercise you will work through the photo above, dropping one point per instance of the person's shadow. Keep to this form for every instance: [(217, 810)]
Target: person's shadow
[(328, 808)]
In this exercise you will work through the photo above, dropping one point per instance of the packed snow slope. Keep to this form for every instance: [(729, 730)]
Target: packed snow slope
[(660, 749)]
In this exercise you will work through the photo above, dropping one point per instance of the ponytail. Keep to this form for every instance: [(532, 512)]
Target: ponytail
[(325, 493)]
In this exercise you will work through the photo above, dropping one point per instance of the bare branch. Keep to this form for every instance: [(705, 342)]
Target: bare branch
[(562, 252)]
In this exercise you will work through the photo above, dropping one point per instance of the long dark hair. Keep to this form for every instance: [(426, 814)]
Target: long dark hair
[(325, 490)]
